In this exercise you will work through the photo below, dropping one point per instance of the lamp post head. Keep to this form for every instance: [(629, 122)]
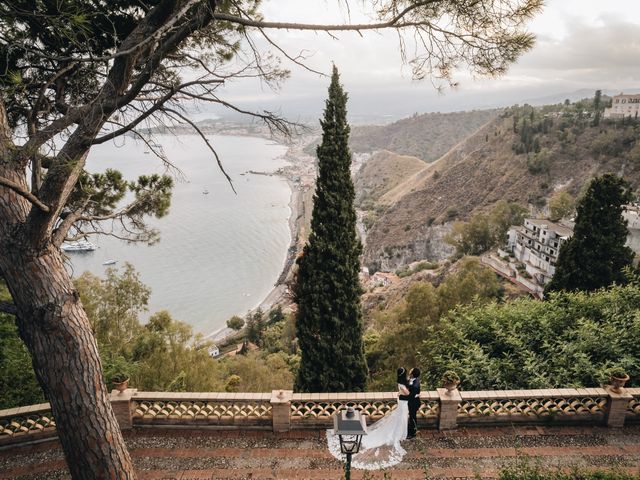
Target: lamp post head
[(350, 426)]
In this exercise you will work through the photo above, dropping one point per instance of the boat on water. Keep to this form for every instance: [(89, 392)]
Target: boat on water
[(205, 192), (109, 262), (79, 246)]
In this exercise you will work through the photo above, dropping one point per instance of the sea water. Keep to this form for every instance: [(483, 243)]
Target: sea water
[(219, 252)]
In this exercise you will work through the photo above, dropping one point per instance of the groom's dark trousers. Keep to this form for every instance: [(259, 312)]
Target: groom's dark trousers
[(414, 406)]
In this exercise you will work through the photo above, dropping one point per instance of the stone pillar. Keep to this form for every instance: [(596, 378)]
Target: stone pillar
[(121, 404), (281, 410), (449, 400), (617, 407)]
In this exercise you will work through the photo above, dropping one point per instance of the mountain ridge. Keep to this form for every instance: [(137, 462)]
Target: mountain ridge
[(489, 166)]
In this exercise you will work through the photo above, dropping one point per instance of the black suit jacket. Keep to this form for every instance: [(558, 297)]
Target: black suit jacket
[(414, 392)]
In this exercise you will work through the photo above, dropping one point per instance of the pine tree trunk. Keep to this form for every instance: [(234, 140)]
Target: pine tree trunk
[(55, 328)]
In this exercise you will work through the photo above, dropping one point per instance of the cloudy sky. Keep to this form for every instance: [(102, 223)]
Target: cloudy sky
[(581, 45)]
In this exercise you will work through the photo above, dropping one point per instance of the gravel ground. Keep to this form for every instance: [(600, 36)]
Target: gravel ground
[(418, 458)]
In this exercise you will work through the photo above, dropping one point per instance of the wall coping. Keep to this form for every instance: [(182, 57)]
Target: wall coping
[(138, 396)]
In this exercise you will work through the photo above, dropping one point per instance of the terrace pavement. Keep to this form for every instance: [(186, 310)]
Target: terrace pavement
[(190, 454)]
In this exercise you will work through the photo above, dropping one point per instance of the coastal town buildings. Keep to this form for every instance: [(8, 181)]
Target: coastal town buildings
[(623, 106)]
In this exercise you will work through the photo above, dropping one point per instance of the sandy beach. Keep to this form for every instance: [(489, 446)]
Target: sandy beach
[(300, 176)]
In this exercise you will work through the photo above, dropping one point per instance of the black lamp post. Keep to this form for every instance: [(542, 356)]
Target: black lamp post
[(350, 426)]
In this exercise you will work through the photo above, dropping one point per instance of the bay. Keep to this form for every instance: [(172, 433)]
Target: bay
[(219, 253)]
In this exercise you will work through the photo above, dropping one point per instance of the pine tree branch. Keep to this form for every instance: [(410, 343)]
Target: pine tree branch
[(8, 307), (24, 193), (172, 91), (206, 141), (396, 21)]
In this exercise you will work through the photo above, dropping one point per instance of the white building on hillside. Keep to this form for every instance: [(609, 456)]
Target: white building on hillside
[(536, 244), (631, 214), (214, 351), (623, 106)]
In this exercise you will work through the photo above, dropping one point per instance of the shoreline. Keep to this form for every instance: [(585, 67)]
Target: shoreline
[(298, 180)]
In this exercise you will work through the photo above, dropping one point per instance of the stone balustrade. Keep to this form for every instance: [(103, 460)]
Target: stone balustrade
[(283, 410), (26, 423)]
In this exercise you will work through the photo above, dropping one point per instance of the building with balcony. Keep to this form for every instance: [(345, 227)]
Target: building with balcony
[(537, 244), (623, 106)]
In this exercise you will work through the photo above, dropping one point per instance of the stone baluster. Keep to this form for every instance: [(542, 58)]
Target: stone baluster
[(449, 401), (281, 410), (122, 407), (617, 407)]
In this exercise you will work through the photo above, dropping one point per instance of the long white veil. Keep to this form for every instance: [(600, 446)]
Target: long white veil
[(381, 446)]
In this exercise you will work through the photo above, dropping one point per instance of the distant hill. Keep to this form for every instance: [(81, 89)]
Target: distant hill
[(381, 173), (525, 155), (427, 136), (574, 96)]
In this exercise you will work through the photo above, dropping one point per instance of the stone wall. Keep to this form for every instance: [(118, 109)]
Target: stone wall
[(283, 410)]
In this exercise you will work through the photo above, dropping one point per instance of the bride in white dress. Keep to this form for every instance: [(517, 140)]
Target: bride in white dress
[(381, 445)]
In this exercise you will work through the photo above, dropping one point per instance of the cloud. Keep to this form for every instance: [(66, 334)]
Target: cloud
[(588, 47), (607, 48)]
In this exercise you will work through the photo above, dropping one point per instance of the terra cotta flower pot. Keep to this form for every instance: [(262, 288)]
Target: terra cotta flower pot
[(617, 383), (121, 386)]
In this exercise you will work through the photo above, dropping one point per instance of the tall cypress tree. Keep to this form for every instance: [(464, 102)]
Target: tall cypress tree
[(596, 254), (329, 323)]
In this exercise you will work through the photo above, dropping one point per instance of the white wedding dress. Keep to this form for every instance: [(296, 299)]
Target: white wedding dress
[(381, 445)]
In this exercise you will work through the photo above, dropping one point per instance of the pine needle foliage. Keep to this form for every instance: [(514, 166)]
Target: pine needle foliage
[(329, 323), (596, 255)]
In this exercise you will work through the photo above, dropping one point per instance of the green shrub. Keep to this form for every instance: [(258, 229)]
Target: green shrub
[(539, 163), (617, 372), (568, 341), (450, 376)]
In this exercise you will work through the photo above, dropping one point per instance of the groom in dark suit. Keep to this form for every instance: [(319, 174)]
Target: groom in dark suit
[(413, 401)]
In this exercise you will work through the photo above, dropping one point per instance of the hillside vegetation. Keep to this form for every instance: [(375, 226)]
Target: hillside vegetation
[(525, 156), (570, 340), (427, 136), (381, 173), (466, 325)]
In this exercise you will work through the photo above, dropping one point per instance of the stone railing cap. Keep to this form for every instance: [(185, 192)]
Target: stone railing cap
[(27, 410)]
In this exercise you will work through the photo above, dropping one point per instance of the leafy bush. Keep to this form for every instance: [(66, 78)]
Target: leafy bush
[(117, 369), (450, 377), (569, 340), (613, 143), (540, 162), (617, 372), (561, 205), (18, 384), (485, 231), (397, 333), (235, 323)]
